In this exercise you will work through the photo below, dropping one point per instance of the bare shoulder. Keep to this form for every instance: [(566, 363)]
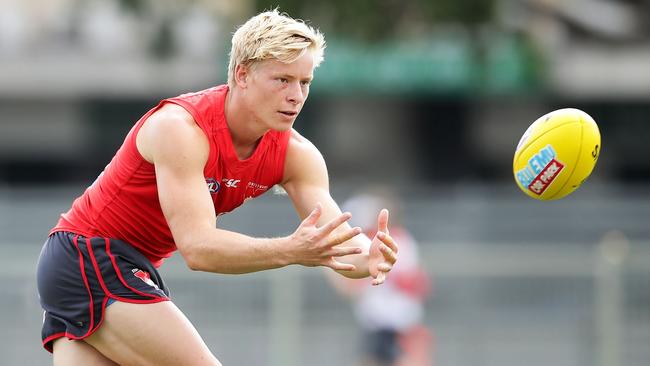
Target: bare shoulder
[(169, 118), (304, 160), (173, 110), (300, 145), (170, 128)]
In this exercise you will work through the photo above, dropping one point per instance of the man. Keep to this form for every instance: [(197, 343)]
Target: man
[(184, 162)]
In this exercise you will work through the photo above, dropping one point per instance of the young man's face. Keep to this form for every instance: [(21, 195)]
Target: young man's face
[(277, 91)]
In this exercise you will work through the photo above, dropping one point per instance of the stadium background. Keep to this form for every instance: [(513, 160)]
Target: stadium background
[(429, 97)]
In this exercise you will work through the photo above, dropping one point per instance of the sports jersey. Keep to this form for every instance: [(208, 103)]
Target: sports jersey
[(123, 201)]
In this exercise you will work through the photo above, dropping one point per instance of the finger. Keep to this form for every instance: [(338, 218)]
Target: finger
[(338, 266), (389, 255), (384, 267), (342, 238), (389, 241), (313, 217), (382, 221), (343, 251), (381, 277), (336, 222)]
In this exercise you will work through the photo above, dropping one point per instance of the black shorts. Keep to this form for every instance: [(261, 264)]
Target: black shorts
[(78, 276)]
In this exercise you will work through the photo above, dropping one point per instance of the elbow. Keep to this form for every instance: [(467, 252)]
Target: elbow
[(194, 266), (192, 256)]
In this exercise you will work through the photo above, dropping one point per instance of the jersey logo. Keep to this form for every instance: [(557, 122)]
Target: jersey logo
[(231, 183), (144, 276), (213, 185), (255, 189)]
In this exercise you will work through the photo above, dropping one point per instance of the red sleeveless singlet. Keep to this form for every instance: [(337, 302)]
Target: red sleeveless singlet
[(123, 202)]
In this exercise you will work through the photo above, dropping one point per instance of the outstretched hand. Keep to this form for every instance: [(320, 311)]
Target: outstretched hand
[(320, 246), (383, 251)]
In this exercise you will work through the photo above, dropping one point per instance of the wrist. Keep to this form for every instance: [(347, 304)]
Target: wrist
[(281, 255)]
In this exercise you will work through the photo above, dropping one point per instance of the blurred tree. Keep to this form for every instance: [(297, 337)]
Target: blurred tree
[(467, 12), (138, 7), (377, 20)]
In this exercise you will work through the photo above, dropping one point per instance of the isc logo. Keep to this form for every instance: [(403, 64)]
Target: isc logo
[(231, 183)]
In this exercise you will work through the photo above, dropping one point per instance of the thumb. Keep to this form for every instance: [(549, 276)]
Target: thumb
[(382, 221), (313, 217)]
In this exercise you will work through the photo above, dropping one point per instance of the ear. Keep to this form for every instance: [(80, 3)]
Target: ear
[(242, 73)]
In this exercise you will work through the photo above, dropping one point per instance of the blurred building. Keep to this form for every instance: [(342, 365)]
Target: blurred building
[(446, 102)]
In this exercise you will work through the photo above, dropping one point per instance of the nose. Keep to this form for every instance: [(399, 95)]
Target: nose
[(295, 94)]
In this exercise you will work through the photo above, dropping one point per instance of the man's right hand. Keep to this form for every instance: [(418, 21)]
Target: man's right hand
[(313, 246)]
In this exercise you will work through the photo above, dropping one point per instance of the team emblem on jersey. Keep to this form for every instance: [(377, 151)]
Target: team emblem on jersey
[(144, 276), (213, 185)]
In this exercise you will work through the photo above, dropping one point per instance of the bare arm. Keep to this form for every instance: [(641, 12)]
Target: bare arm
[(179, 149), (307, 183)]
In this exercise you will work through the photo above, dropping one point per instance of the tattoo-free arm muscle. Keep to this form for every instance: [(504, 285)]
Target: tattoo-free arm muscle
[(307, 183), (179, 149)]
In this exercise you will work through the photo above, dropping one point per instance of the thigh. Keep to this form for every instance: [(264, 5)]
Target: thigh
[(69, 352), (150, 334)]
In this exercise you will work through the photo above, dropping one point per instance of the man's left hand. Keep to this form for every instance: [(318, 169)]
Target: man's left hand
[(383, 251)]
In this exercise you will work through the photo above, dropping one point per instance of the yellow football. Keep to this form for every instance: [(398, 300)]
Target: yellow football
[(556, 154)]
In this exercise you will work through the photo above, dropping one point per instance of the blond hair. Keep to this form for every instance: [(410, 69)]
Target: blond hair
[(271, 35)]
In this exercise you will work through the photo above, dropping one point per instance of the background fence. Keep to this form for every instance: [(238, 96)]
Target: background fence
[(529, 299)]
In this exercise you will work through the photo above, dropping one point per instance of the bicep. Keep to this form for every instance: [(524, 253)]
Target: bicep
[(184, 199), (179, 149)]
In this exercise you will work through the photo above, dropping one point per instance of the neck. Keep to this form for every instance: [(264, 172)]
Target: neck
[(242, 126)]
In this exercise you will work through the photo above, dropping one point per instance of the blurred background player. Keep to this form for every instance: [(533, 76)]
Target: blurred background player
[(390, 316)]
